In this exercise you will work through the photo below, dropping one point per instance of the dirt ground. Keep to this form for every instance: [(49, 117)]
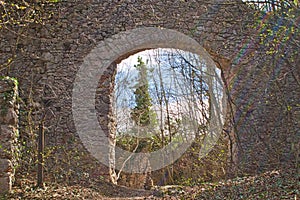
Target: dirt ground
[(269, 185)]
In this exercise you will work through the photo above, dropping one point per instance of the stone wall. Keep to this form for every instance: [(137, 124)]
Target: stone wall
[(8, 132), (265, 120), (46, 57)]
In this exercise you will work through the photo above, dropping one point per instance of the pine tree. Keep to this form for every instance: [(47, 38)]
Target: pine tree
[(142, 112)]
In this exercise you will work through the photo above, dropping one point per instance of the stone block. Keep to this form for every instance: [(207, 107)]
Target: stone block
[(5, 166), (5, 87), (6, 132), (10, 117), (5, 184)]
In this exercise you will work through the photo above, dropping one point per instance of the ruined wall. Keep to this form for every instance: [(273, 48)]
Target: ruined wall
[(47, 57), (8, 132), (265, 95)]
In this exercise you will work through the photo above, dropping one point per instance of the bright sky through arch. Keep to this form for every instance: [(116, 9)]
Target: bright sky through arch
[(170, 63)]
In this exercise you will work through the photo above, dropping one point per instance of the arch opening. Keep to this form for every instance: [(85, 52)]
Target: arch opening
[(97, 132), (162, 95)]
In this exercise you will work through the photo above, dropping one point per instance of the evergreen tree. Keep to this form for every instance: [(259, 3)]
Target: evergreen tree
[(142, 112)]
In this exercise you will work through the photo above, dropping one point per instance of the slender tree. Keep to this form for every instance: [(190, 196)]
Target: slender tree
[(142, 112)]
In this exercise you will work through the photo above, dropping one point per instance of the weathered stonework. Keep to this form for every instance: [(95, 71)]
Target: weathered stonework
[(8, 132), (47, 57)]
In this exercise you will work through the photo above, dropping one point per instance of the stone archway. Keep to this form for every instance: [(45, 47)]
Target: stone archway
[(100, 63), (47, 56), (46, 64)]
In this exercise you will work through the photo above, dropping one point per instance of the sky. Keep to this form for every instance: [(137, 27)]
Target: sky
[(181, 95)]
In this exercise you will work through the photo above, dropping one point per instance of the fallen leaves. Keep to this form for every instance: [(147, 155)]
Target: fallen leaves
[(269, 185)]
